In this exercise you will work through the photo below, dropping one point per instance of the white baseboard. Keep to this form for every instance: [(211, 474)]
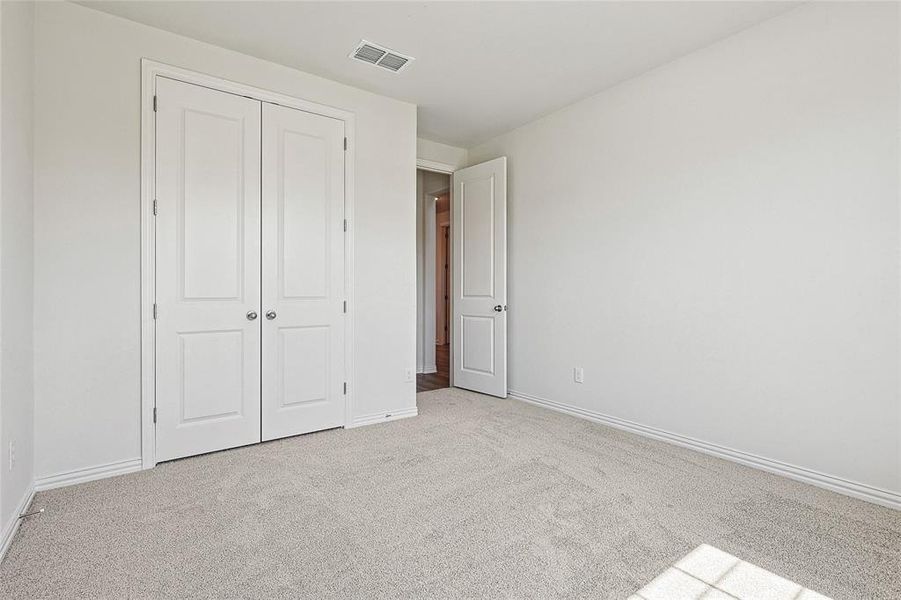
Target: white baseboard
[(429, 369), (384, 417), (89, 474), (10, 528), (830, 482)]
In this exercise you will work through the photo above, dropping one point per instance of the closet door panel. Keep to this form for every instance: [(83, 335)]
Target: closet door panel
[(303, 272), (208, 270)]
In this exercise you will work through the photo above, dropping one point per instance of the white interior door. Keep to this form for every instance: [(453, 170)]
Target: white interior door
[(480, 277), (208, 270), (303, 272)]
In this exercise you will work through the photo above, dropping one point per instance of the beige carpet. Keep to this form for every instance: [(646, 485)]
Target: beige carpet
[(475, 498)]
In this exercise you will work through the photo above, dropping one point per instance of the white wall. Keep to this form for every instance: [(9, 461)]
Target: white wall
[(430, 151), (16, 286), (87, 252), (717, 244)]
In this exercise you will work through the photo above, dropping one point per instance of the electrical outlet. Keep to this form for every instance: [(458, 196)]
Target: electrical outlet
[(578, 375), (12, 455), (408, 375)]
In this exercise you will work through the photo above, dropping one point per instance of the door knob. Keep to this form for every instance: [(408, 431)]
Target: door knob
[(498, 308), (251, 315), (270, 314)]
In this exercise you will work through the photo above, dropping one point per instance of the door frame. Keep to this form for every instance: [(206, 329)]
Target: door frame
[(150, 70)]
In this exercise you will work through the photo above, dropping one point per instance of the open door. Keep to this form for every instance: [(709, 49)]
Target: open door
[(480, 278)]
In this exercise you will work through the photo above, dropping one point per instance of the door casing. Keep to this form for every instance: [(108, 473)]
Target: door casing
[(150, 70)]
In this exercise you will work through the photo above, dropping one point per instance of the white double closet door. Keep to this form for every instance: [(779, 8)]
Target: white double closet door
[(249, 271)]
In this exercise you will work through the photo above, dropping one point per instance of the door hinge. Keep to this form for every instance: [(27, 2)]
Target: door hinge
[(345, 224), (154, 208), (345, 388), (154, 103), (154, 414), (345, 144), (155, 311), (345, 306)]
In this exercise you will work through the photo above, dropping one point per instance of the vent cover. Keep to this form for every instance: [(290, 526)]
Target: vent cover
[(380, 56)]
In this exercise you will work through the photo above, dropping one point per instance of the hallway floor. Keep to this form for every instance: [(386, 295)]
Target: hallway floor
[(426, 382)]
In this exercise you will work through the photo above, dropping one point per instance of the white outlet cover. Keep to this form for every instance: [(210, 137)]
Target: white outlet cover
[(578, 374)]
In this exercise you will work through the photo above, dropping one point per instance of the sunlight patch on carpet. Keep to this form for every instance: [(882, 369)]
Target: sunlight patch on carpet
[(708, 573)]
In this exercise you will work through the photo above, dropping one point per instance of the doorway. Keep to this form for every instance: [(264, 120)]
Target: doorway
[(461, 243), (433, 239)]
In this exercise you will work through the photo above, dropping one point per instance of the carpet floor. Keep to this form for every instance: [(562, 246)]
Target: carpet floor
[(475, 498)]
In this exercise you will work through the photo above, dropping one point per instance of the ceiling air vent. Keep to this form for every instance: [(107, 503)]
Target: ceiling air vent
[(380, 56)]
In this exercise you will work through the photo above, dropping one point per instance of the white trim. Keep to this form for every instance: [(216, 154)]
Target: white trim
[(89, 474), (384, 417), (898, 396), (428, 369), (10, 528), (435, 166), (150, 70), (830, 482), (148, 265), (350, 133)]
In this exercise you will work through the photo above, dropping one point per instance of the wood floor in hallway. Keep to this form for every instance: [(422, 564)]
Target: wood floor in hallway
[(426, 382)]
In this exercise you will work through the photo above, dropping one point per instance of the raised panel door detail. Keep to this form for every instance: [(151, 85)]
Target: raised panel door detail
[(211, 205), (478, 355), (212, 374), (304, 365), (477, 203), (304, 206)]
